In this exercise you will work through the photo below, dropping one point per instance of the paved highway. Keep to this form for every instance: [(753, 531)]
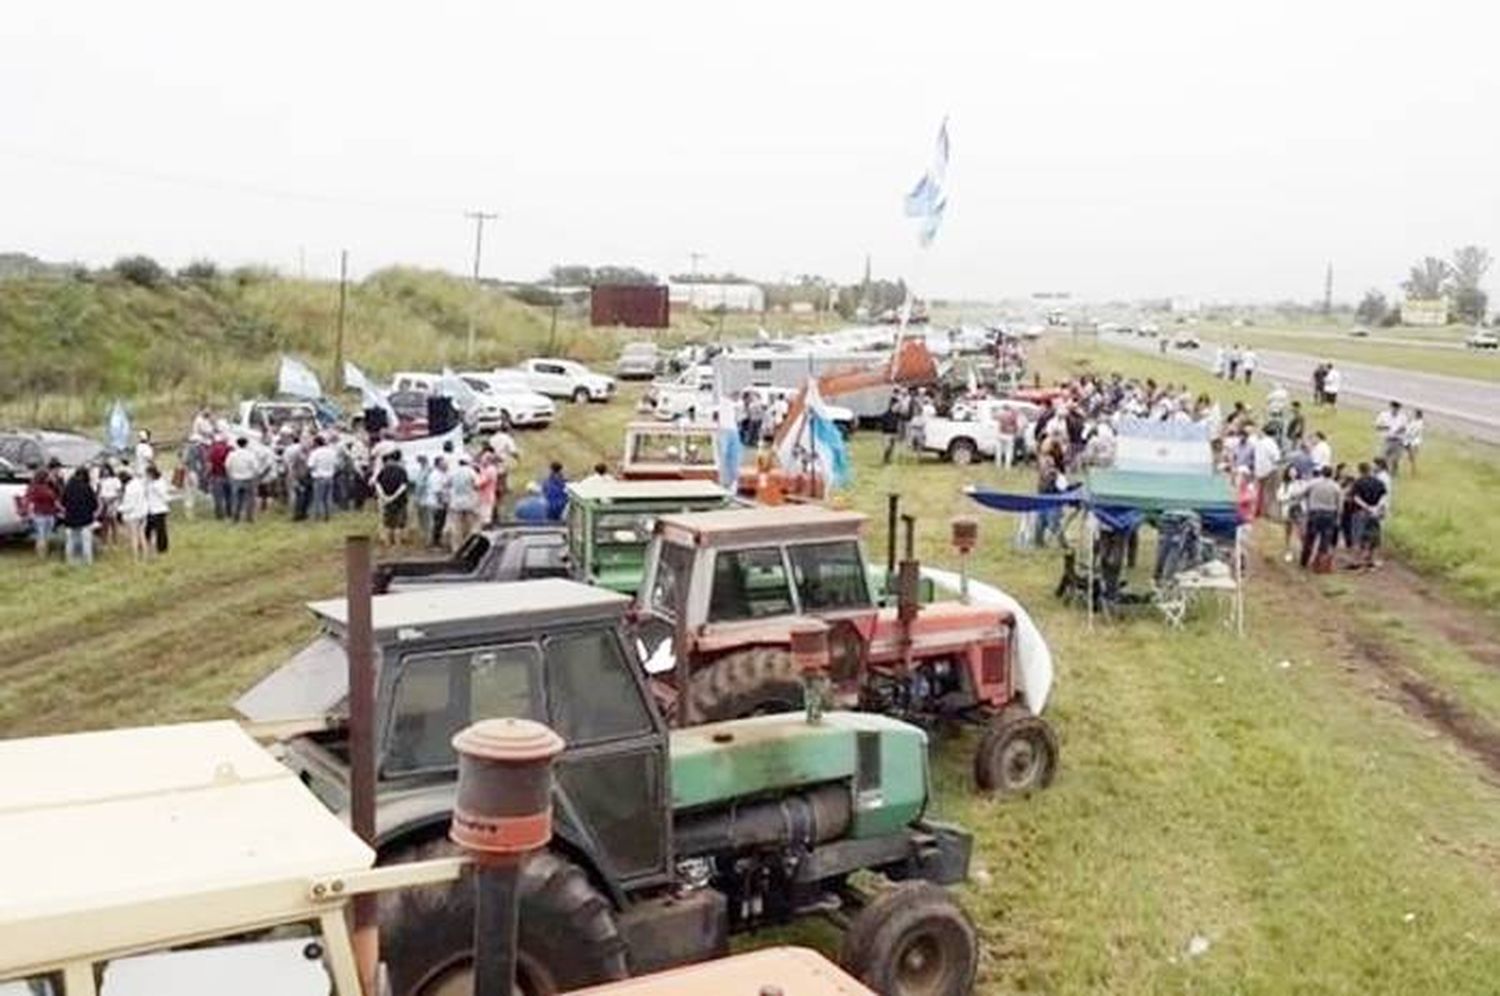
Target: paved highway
[(1469, 407)]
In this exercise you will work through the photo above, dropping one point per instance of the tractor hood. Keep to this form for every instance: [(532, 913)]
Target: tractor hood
[(883, 761)]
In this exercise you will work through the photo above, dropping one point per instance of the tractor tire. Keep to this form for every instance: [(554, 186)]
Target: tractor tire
[(580, 396), (1016, 755), (744, 683), (912, 940), (962, 451), (568, 937)]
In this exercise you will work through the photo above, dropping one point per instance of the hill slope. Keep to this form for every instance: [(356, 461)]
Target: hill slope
[(67, 345)]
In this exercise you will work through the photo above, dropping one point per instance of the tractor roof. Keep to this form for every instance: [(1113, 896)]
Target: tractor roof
[(781, 969), (770, 522), (604, 489), (459, 607), (195, 823)]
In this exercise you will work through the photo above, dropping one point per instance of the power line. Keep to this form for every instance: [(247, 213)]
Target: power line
[(220, 184)]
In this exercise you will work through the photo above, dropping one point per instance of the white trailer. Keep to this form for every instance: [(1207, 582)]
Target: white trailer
[(735, 371)]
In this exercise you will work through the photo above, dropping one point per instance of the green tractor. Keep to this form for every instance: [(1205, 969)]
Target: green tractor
[(666, 841)]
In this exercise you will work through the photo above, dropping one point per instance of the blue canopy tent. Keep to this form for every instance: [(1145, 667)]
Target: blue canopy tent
[(1121, 500)]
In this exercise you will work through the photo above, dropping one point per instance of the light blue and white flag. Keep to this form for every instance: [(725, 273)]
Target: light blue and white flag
[(297, 379), (117, 428), (370, 396), (929, 198), (811, 441)]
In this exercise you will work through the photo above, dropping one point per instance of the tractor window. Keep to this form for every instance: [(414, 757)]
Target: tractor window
[(829, 576), (36, 985), (593, 694), (669, 587), (623, 528), (749, 584), (695, 449), (439, 694)]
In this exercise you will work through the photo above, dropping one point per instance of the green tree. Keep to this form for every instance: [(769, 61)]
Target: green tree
[(143, 271), (1427, 279), (1372, 308), (1470, 264)]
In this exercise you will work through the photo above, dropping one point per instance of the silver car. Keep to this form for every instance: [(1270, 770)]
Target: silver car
[(638, 361)]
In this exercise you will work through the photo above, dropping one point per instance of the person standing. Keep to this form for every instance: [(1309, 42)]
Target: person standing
[(1247, 363), (1291, 496), (145, 453), (322, 465), (110, 488), (218, 477), (1265, 457), (1332, 382), (243, 471), (486, 488), (1007, 427), (1323, 498), (436, 499), (1319, 374), (80, 508), (1296, 424), (1234, 362), (43, 503), (1369, 497), (418, 486), (463, 501), (890, 425), (133, 514), (1321, 451), (555, 491), (1390, 431), (1415, 427), (157, 507), (392, 491)]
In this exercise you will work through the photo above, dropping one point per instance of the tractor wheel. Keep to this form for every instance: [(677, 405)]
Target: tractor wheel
[(912, 940), (746, 682), (568, 934), (580, 396), (1017, 754), (962, 452)]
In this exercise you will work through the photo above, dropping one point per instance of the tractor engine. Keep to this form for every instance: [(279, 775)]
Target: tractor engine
[(937, 686)]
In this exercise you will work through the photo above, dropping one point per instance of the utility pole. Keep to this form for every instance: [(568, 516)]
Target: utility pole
[(695, 256), (1328, 290), (338, 344), (480, 217)]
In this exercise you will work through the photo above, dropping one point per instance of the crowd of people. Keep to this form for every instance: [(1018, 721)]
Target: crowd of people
[(303, 472)]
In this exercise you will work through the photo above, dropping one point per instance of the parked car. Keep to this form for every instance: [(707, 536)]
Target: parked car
[(274, 415), (13, 519), (1480, 339), (568, 379), (694, 388), (521, 406), (1186, 340), (1359, 332), (24, 448), (638, 361), (480, 412)]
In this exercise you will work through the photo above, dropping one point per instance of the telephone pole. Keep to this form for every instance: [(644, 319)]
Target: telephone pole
[(695, 256), (338, 343), (1328, 290), (479, 217)]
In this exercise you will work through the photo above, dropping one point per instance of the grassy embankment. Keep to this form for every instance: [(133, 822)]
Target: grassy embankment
[(68, 347), (1316, 838)]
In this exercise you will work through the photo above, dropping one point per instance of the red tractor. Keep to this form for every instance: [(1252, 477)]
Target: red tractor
[(724, 590)]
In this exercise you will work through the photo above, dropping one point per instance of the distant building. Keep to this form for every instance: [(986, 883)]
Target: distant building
[(1185, 306), (1424, 311), (708, 297)]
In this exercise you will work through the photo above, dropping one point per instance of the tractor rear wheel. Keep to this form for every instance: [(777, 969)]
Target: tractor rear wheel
[(568, 934), (1017, 754), (744, 683), (912, 940)]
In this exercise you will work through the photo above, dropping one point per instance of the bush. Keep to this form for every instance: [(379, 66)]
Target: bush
[(143, 271), (200, 271)]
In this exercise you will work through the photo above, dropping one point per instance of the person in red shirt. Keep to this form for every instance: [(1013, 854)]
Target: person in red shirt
[(218, 476), (42, 505)]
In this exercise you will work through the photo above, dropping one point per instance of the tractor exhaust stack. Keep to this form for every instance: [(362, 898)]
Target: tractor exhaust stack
[(361, 653)]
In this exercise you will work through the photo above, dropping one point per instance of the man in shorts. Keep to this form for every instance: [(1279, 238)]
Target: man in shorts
[(392, 491), (1368, 494)]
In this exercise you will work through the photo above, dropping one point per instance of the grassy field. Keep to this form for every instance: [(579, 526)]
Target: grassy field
[(1376, 350), (1260, 794)]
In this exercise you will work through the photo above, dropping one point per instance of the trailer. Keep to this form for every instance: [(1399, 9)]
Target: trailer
[(736, 371)]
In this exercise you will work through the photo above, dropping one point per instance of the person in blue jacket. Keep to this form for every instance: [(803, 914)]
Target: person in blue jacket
[(555, 490)]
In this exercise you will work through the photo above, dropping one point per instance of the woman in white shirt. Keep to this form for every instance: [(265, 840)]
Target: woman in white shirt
[(133, 513), (1414, 429), (156, 509)]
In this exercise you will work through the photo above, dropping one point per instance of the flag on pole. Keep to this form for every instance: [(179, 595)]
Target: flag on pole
[(929, 198), (297, 379), (117, 428), (370, 396), (812, 441)]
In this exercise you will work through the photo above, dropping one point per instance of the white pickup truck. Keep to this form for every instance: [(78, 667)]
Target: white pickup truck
[(567, 379), (972, 430), (693, 389)]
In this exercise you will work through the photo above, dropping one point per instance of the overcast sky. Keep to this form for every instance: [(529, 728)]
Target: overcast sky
[(1225, 151)]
